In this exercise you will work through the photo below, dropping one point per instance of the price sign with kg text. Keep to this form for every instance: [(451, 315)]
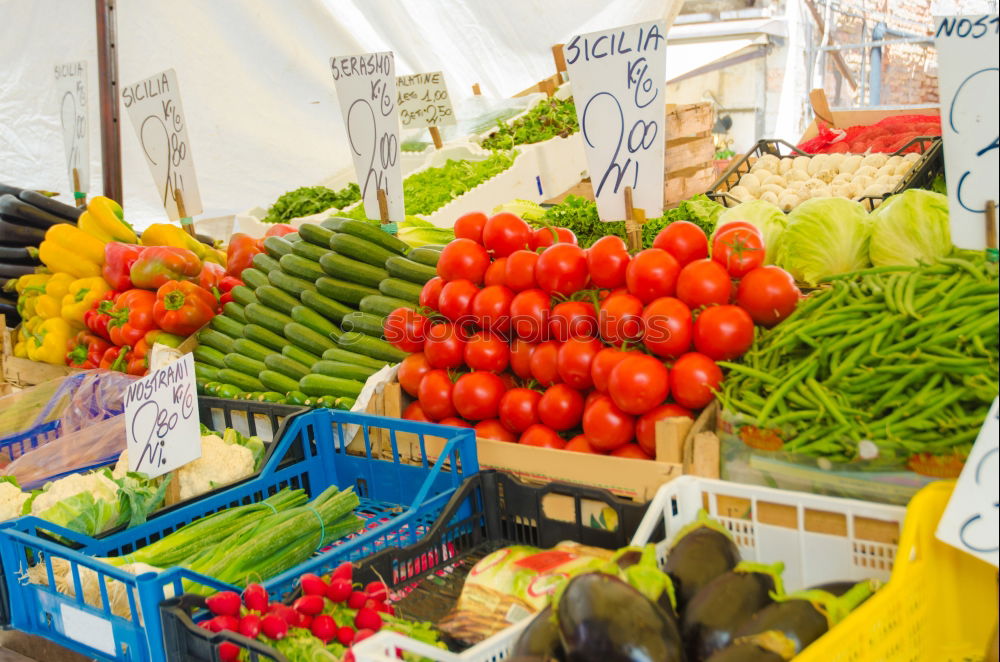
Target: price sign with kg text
[(161, 419), (71, 90), (969, 82), (366, 90), (423, 101), (154, 107), (618, 82)]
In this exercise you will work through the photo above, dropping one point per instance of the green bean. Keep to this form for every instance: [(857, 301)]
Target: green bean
[(825, 400), (790, 382), (750, 372), (897, 388), (965, 265), (865, 272), (906, 299), (936, 291)]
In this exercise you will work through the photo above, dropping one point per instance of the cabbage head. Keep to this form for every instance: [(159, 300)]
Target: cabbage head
[(825, 237), (767, 218), (910, 228)]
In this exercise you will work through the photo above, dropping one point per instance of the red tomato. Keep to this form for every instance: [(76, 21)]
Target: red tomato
[(605, 425), (414, 412), (545, 363), (739, 250), (519, 271), (519, 409), (493, 429), (704, 283), (476, 395), (542, 237), (435, 395), (620, 318), (631, 451), (651, 274), (529, 315), (486, 351), (491, 308), (607, 259), (560, 407), (645, 427), (470, 226), (444, 346), (463, 258), (430, 292), (723, 332), (505, 233), (579, 444), (639, 383), (666, 324), (496, 273), (684, 240), (593, 395), (562, 269), (769, 294), (573, 319), (520, 357), (542, 436), (455, 300), (737, 224), (455, 422), (693, 379), (603, 363), (405, 329), (574, 360), (411, 371)]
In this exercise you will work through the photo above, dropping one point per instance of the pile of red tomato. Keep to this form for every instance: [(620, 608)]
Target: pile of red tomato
[(530, 338)]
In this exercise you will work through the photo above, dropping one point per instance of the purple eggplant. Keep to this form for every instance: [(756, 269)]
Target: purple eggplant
[(54, 207), (702, 551), (541, 638)]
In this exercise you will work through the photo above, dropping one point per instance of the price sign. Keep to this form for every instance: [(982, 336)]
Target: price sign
[(154, 107), (618, 79), (366, 90), (970, 522), (423, 100), (71, 88), (161, 419), (968, 77)]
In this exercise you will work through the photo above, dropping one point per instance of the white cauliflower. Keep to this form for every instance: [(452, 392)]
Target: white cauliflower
[(11, 500), (96, 483), (220, 464)]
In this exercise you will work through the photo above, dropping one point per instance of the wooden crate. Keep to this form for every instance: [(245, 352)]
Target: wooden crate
[(689, 154)]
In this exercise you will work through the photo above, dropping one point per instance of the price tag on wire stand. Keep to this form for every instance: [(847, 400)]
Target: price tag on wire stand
[(154, 107), (423, 101), (366, 91), (969, 83), (162, 429), (618, 83), (71, 89)]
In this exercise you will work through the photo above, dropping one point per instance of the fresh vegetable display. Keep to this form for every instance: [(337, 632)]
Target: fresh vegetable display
[(309, 200), (430, 189), (550, 118)]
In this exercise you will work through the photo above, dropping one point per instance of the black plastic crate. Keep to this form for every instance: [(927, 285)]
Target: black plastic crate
[(921, 175), (504, 511)]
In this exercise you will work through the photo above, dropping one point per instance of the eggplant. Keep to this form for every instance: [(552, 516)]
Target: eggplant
[(11, 316), (540, 639), (20, 212), (724, 604), (745, 651), (16, 270), (702, 552), (7, 189), (15, 234), (19, 255), (603, 619), (54, 207)]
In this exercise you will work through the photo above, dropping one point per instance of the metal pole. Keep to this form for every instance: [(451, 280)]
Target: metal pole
[(107, 77)]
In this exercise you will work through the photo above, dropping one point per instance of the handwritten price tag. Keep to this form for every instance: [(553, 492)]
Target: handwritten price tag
[(154, 107), (971, 522), (71, 88), (366, 90), (423, 100), (969, 83), (161, 419), (618, 79)]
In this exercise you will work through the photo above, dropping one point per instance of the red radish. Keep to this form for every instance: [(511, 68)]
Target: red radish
[(339, 589), (380, 607), (309, 604), (273, 626), (228, 652), (345, 635), (224, 603), (360, 636), (324, 627), (368, 619), (356, 600), (255, 597), (344, 571), (250, 626), (206, 624), (285, 613), (305, 621), (312, 584), (227, 622)]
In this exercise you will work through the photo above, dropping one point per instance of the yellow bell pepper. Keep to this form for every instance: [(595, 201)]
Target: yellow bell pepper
[(26, 304), (165, 234), (82, 296), (106, 220), (21, 349), (48, 343), (32, 282), (31, 325), (59, 258), (49, 302), (76, 240)]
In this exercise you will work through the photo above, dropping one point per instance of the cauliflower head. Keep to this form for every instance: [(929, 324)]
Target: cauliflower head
[(11, 500), (96, 483), (220, 464)]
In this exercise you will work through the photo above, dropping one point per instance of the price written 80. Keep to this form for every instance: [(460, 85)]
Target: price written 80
[(163, 143), (154, 423)]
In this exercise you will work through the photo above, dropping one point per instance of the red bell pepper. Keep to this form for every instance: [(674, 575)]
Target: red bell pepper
[(280, 230), (131, 317), (116, 358), (86, 350), (96, 319), (239, 255), (118, 260), (183, 307), (210, 276), (138, 363), (159, 264), (226, 286)]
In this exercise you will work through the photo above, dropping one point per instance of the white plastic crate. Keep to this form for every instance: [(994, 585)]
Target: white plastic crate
[(803, 540)]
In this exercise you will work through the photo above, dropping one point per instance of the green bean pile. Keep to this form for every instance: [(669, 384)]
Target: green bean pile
[(905, 357)]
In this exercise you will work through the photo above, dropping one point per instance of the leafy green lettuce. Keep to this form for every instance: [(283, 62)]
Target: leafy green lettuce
[(309, 200), (825, 237), (910, 228)]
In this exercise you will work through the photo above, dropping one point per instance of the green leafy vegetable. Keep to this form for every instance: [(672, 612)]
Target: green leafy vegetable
[(310, 200), (910, 228), (550, 118), (429, 190), (825, 237)]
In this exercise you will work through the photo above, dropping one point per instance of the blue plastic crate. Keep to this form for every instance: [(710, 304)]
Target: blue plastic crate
[(15, 446), (403, 501)]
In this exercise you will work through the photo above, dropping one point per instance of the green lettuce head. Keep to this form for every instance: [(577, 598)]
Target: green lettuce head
[(767, 218), (910, 228), (825, 237)]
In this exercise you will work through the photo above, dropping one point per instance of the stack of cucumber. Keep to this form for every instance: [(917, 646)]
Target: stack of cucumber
[(306, 326)]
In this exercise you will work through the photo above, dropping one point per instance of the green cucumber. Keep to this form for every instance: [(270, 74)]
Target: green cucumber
[(264, 336), (229, 391), (275, 381), (301, 267), (276, 299), (244, 364), (323, 385), (299, 355), (207, 372), (304, 337), (291, 237), (227, 325), (354, 271), (271, 396), (270, 319), (253, 278), (325, 306), (424, 255), (364, 322), (215, 340), (285, 366), (343, 356), (378, 304), (359, 249), (235, 311), (277, 246), (309, 251), (251, 348), (368, 232), (291, 284), (243, 295), (434, 247), (297, 398), (373, 347), (240, 380), (342, 370), (309, 318), (345, 403), (400, 267), (344, 291), (401, 289), (315, 234), (265, 263)]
